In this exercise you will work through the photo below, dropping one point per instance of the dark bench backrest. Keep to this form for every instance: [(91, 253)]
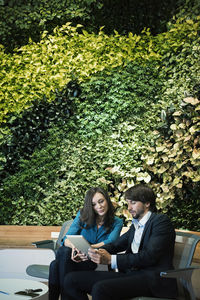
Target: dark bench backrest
[(63, 231), (184, 249)]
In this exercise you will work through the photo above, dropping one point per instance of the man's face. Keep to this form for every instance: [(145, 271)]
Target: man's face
[(137, 209)]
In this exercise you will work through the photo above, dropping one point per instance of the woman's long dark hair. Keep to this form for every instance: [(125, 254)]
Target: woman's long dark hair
[(87, 213)]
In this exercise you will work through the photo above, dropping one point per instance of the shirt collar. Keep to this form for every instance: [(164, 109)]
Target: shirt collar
[(143, 221)]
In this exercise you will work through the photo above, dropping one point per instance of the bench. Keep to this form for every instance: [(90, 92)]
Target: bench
[(23, 236), (186, 258), (186, 272)]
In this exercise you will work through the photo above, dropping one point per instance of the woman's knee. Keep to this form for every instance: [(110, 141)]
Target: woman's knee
[(63, 252), (53, 266), (53, 273)]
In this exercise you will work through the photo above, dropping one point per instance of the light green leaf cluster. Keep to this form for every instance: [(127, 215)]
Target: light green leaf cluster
[(38, 69)]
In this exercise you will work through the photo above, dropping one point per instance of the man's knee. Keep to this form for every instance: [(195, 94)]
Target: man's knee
[(69, 282), (100, 290)]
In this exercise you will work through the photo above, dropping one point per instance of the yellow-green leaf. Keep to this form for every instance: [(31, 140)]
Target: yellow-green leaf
[(173, 127)]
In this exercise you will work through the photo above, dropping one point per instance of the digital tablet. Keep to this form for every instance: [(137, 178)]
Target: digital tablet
[(79, 242)]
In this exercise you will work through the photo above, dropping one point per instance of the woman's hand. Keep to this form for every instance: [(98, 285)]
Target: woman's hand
[(67, 243), (77, 256), (97, 245), (100, 256)]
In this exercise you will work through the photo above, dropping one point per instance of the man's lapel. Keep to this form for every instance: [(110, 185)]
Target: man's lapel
[(131, 236)]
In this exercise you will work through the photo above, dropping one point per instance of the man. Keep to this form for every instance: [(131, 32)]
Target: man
[(149, 248)]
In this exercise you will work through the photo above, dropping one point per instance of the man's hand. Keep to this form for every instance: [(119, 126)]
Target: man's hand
[(100, 256)]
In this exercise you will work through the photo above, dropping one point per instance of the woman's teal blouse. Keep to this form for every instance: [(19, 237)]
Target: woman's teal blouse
[(93, 234)]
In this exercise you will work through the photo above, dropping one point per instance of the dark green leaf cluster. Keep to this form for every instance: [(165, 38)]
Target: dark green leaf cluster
[(21, 20), (187, 212), (30, 129), (135, 15), (22, 193)]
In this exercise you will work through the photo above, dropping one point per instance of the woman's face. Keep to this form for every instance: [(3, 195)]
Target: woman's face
[(100, 204)]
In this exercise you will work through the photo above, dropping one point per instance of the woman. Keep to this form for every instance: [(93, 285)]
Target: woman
[(98, 224)]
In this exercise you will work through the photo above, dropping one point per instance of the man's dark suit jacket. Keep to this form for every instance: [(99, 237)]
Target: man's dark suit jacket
[(155, 254)]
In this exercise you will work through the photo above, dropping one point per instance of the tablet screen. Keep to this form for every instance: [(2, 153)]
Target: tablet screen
[(79, 242)]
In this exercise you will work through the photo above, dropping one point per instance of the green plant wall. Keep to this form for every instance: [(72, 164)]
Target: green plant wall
[(120, 89), (98, 134), (25, 19), (38, 69)]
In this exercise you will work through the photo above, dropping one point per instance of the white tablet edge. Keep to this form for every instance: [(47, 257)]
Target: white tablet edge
[(79, 242)]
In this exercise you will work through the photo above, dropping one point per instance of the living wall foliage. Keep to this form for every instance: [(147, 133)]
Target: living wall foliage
[(126, 87), (175, 171), (94, 137), (174, 161), (118, 96), (38, 69), (188, 9), (22, 193), (21, 20), (171, 165), (25, 19), (30, 129)]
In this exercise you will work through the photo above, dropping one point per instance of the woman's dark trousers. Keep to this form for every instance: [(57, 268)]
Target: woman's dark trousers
[(60, 267)]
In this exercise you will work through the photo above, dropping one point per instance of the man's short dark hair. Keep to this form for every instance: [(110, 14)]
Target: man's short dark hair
[(142, 193)]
